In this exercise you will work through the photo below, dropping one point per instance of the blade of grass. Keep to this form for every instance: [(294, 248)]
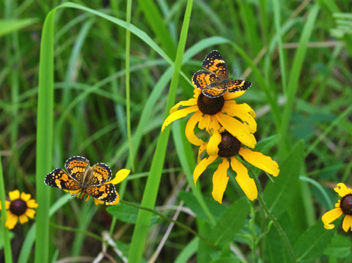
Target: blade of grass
[(44, 136), (153, 181), (294, 78)]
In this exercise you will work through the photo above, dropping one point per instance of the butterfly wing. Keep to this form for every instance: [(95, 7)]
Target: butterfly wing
[(101, 173), (238, 85), (216, 64), (60, 179), (76, 167), (209, 83), (106, 192)]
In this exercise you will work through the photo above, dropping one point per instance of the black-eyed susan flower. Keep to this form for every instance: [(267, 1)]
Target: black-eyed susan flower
[(224, 145), (19, 208), (213, 113), (343, 206)]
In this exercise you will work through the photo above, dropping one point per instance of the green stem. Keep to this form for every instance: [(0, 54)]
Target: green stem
[(170, 220)]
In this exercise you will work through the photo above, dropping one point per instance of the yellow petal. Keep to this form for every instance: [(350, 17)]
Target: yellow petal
[(190, 102), (178, 115), (220, 180), (231, 96), (25, 197), (200, 168), (241, 111), (191, 124), (7, 205), (237, 129), (261, 161), (14, 195), (30, 213), (23, 219), (32, 204), (213, 144), (246, 183), (347, 223), (342, 189), (214, 125), (204, 122), (116, 201), (331, 216), (98, 202), (11, 220), (120, 176), (201, 149)]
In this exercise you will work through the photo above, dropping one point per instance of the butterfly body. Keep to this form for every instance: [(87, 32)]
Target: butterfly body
[(214, 81)]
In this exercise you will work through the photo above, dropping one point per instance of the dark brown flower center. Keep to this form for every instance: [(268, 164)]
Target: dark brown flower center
[(346, 204), (18, 207), (210, 106), (229, 145)]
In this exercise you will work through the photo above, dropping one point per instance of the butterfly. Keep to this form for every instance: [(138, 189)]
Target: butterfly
[(214, 81), (92, 181)]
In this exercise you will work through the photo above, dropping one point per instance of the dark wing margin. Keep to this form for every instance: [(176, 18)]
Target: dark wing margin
[(216, 64), (60, 179)]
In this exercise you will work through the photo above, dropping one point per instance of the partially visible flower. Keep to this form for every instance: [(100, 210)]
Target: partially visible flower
[(119, 177), (213, 113), (20, 207), (224, 145), (343, 206)]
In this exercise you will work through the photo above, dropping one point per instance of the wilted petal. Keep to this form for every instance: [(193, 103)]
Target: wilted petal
[(261, 161), (191, 124), (178, 115), (120, 176), (246, 183), (213, 144), (331, 216), (204, 122), (342, 189), (220, 180), (200, 168), (347, 223), (201, 149)]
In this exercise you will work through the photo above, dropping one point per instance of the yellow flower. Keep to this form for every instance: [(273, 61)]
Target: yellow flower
[(213, 113), (222, 144), (119, 177), (343, 206), (19, 208)]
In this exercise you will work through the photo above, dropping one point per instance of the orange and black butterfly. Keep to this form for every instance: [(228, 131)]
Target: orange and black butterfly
[(93, 181), (214, 81)]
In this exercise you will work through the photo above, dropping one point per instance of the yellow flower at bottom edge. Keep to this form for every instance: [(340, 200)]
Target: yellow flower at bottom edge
[(119, 177), (222, 144), (213, 113), (20, 207), (343, 206)]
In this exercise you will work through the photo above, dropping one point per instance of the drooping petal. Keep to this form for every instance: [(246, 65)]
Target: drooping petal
[(220, 180), (261, 161), (30, 213), (11, 220), (241, 111), (214, 125), (213, 144), (347, 223), (25, 197), (116, 201), (190, 102), (23, 219), (191, 124), (178, 115), (200, 168), (32, 204), (14, 195), (202, 148), (204, 122), (120, 176), (237, 129), (341, 189), (246, 183), (331, 216), (231, 96), (7, 205)]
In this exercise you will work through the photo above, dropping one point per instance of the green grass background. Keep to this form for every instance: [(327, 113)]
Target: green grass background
[(74, 81)]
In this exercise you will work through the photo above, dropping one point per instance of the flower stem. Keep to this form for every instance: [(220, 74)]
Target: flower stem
[(273, 219), (170, 220)]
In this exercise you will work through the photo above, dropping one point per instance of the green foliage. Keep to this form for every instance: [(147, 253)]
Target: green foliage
[(73, 82)]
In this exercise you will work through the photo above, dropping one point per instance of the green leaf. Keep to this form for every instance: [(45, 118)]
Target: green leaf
[(339, 247), (215, 208), (278, 195), (8, 26), (312, 242), (264, 145), (127, 214), (226, 260), (230, 223)]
